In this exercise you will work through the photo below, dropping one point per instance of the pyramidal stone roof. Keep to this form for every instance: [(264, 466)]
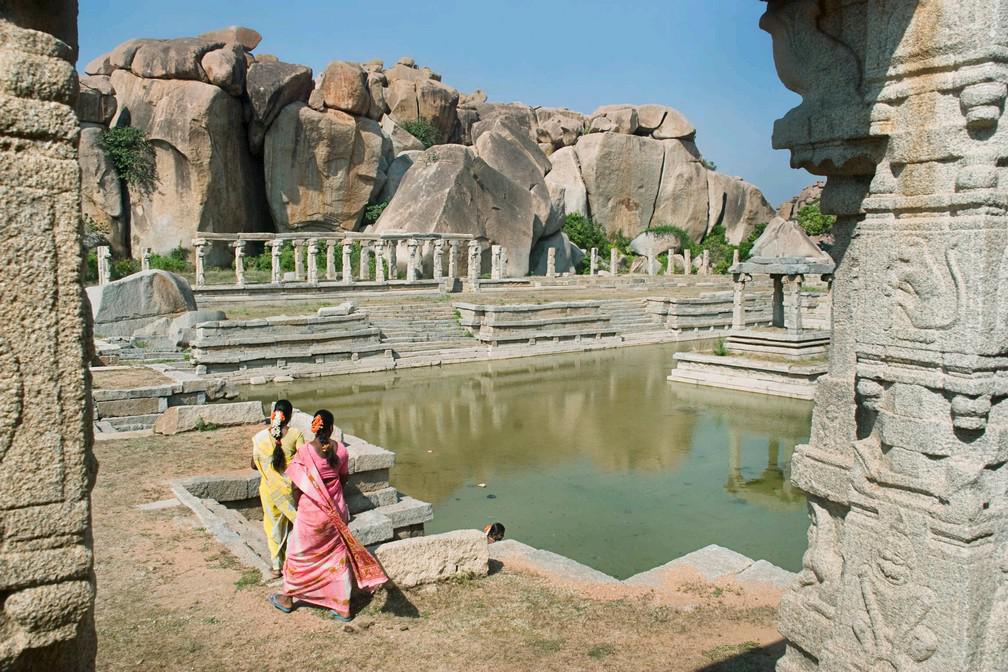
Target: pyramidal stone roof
[(785, 249)]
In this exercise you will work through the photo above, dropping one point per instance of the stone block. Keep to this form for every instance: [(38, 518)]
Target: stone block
[(139, 406), (408, 511), (371, 527), (516, 554), (186, 418), (419, 560), (762, 571), (711, 562)]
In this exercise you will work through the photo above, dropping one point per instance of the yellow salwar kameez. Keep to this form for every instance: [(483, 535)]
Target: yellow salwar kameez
[(275, 490)]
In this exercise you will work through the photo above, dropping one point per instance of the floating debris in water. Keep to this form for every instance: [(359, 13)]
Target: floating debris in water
[(481, 485), (491, 496)]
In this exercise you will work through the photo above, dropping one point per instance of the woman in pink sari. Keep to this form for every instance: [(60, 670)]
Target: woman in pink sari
[(323, 557)]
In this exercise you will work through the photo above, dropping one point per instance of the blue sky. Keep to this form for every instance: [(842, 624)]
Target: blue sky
[(708, 58)]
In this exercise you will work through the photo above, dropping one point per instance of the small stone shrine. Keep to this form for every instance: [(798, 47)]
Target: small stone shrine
[(783, 358)]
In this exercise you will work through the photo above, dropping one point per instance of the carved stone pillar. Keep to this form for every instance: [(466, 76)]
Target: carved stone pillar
[(495, 262), (46, 465), (474, 262), (392, 263), (453, 246), (276, 272), (651, 270), (364, 270), (200, 246), (670, 265), (437, 261), (738, 300), (347, 270), (905, 474), (687, 261), (145, 259), (379, 260), (313, 261), (330, 259), (614, 261), (793, 318), (551, 262), (411, 259), (239, 262), (593, 262), (104, 255), (705, 263), (298, 260)]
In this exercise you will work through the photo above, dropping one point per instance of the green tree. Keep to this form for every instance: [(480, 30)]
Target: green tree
[(812, 220), (586, 234), (422, 130), (132, 155)]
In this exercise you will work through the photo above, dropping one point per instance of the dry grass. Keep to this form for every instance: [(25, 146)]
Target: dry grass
[(124, 378), (171, 598)]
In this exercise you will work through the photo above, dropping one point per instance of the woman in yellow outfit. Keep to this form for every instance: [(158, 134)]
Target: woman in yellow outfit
[(272, 449)]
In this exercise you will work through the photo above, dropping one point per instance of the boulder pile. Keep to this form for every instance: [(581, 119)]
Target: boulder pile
[(246, 143)]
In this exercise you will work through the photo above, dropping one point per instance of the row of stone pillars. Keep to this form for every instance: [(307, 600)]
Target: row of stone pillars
[(306, 253)]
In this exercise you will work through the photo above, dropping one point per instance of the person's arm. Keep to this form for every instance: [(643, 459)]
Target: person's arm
[(295, 495), (344, 460)]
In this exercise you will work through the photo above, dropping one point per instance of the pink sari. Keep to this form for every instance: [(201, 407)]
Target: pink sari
[(323, 557)]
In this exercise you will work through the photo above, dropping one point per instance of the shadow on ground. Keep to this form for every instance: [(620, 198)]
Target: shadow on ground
[(756, 659)]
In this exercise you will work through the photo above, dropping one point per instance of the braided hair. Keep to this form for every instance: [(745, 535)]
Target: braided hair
[(282, 411), (322, 425)]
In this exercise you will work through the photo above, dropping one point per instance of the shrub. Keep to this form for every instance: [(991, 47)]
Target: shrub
[(708, 164), (586, 234), (720, 349), (685, 242), (122, 267), (422, 130), (620, 242), (90, 269), (812, 220), (175, 261), (264, 261), (745, 249), (374, 211), (132, 155)]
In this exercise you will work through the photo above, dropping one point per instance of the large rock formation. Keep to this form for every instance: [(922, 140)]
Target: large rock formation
[(272, 86), (101, 191), (451, 190), (736, 205), (622, 174), (119, 308), (47, 468), (322, 168), (566, 187), (206, 178)]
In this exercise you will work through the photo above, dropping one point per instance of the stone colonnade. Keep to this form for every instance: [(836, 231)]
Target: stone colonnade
[(906, 473), (383, 249), (46, 465)]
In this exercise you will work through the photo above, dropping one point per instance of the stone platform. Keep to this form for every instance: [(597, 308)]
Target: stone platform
[(799, 346), (749, 374)]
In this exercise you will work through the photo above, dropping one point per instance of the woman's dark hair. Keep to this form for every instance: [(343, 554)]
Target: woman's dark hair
[(279, 459), (495, 531), (324, 435)]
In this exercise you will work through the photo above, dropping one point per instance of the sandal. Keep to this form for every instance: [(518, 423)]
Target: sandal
[(339, 617), (273, 599), (276, 574)]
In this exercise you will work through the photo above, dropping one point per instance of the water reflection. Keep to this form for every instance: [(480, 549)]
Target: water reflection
[(594, 455)]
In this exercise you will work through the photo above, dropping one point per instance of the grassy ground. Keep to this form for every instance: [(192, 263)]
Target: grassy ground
[(171, 598), (125, 378)]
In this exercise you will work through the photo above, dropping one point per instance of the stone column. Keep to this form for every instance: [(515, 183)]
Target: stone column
[(505, 263), (298, 261), (650, 264), (104, 254), (687, 261), (46, 464), (145, 259), (738, 300), (437, 261), (670, 263), (614, 261), (391, 251), (330, 259), (705, 263), (239, 262), (364, 271), (276, 272), (411, 260), (551, 262), (453, 246), (495, 262), (313, 261), (593, 262), (200, 246), (379, 259), (905, 475), (735, 257), (474, 263), (794, 303), (347, 270)]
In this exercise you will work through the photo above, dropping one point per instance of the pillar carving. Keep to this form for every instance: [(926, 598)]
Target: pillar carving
[(145, 259), (438, 261), (200, 246), (453, 246), (412, 256), (347, 248), (474, 262), (551, 262), (104, 255), (379, 259), (614, 261), (593, 262), (47, 468), (364, 271), (330, 259), (905, 472), (313, 261), (239, 262)]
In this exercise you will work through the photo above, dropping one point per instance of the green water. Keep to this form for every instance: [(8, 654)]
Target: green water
[(594, 456)]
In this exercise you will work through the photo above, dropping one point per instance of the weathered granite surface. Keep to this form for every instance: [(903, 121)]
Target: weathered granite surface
[(46, 465), (907, 471)]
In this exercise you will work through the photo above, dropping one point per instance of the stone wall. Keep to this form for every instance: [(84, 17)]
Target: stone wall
[(46, 465), (907, 471)]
